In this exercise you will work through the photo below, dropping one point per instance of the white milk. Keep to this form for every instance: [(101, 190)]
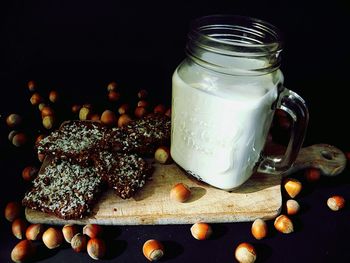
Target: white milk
[(219, 128)]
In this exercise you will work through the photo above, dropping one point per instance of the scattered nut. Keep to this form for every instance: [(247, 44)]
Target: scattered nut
[(23, 251), (39, 138), (31, 85), (140, 112), (113, 96), (292, 187), (41, 106), (180, 192), (52, 238), (245, 253), (79, 242), (160, 109), (96, 248), (95, 117), (53, 96), (124, 108), (312, 175), (36, 99), (35, 232), (292, 207), (283, 224), (84, 113), (153, 250), (142, 94), (13, 211), (259, 229), (19, 227), (11, 135), (124, 120), (76, 108), (13, 120), (201, 231), (92, 230), (168, 113), (19, 139), (29, 173), (142, 103), (69, 231), (48, 122), (108, 118), (47, 111), (336, 202), (112, 86), (162, 155)]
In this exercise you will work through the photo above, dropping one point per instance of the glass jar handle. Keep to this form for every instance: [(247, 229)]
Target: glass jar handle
[(295, 106)]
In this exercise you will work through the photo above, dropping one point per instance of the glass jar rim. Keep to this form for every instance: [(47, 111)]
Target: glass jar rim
[(260, 28)]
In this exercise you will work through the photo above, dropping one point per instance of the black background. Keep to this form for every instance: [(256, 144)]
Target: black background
[(77, 47)]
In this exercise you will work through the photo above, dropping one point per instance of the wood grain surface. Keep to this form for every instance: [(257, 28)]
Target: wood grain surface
[(259, 197)]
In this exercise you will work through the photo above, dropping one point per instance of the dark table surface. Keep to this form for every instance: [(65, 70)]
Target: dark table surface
[(77, 48)]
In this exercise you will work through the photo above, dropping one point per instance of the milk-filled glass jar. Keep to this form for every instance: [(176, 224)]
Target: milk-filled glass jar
[(224, 95)]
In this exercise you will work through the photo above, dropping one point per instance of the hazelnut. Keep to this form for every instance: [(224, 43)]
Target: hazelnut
[(292, 187), (13, 211), (41, 106), (168, 112), (96, 248), (92, 230), (11, 135), (13, 120), (112, 86), (113, 95), (69, 231), (19, 139), (245, 253), (140, 112), (48, 122), (108, 118), (336, 202), (312, 175), (160, 108), (31, 85), (36, 99), (47, 111), (292, 207), (142, 94), (76, 108), (201, 231), (124, 120), (162, 155), (283, 224), (84, 113), (53, 96), (180, 192), (29, 173), (19, 227), (35, 232), (79, 242), (95, 117), (142, 103), (52, 238), (23, 251), (259, 228), (124, 108), (153, 250)]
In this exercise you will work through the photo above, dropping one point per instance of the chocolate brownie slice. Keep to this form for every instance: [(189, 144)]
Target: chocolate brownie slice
[(64, 189), (141, 136), (125, 173), (75, 140)]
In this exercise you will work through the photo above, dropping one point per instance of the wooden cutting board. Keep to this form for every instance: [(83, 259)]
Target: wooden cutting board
[(259, 197)]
